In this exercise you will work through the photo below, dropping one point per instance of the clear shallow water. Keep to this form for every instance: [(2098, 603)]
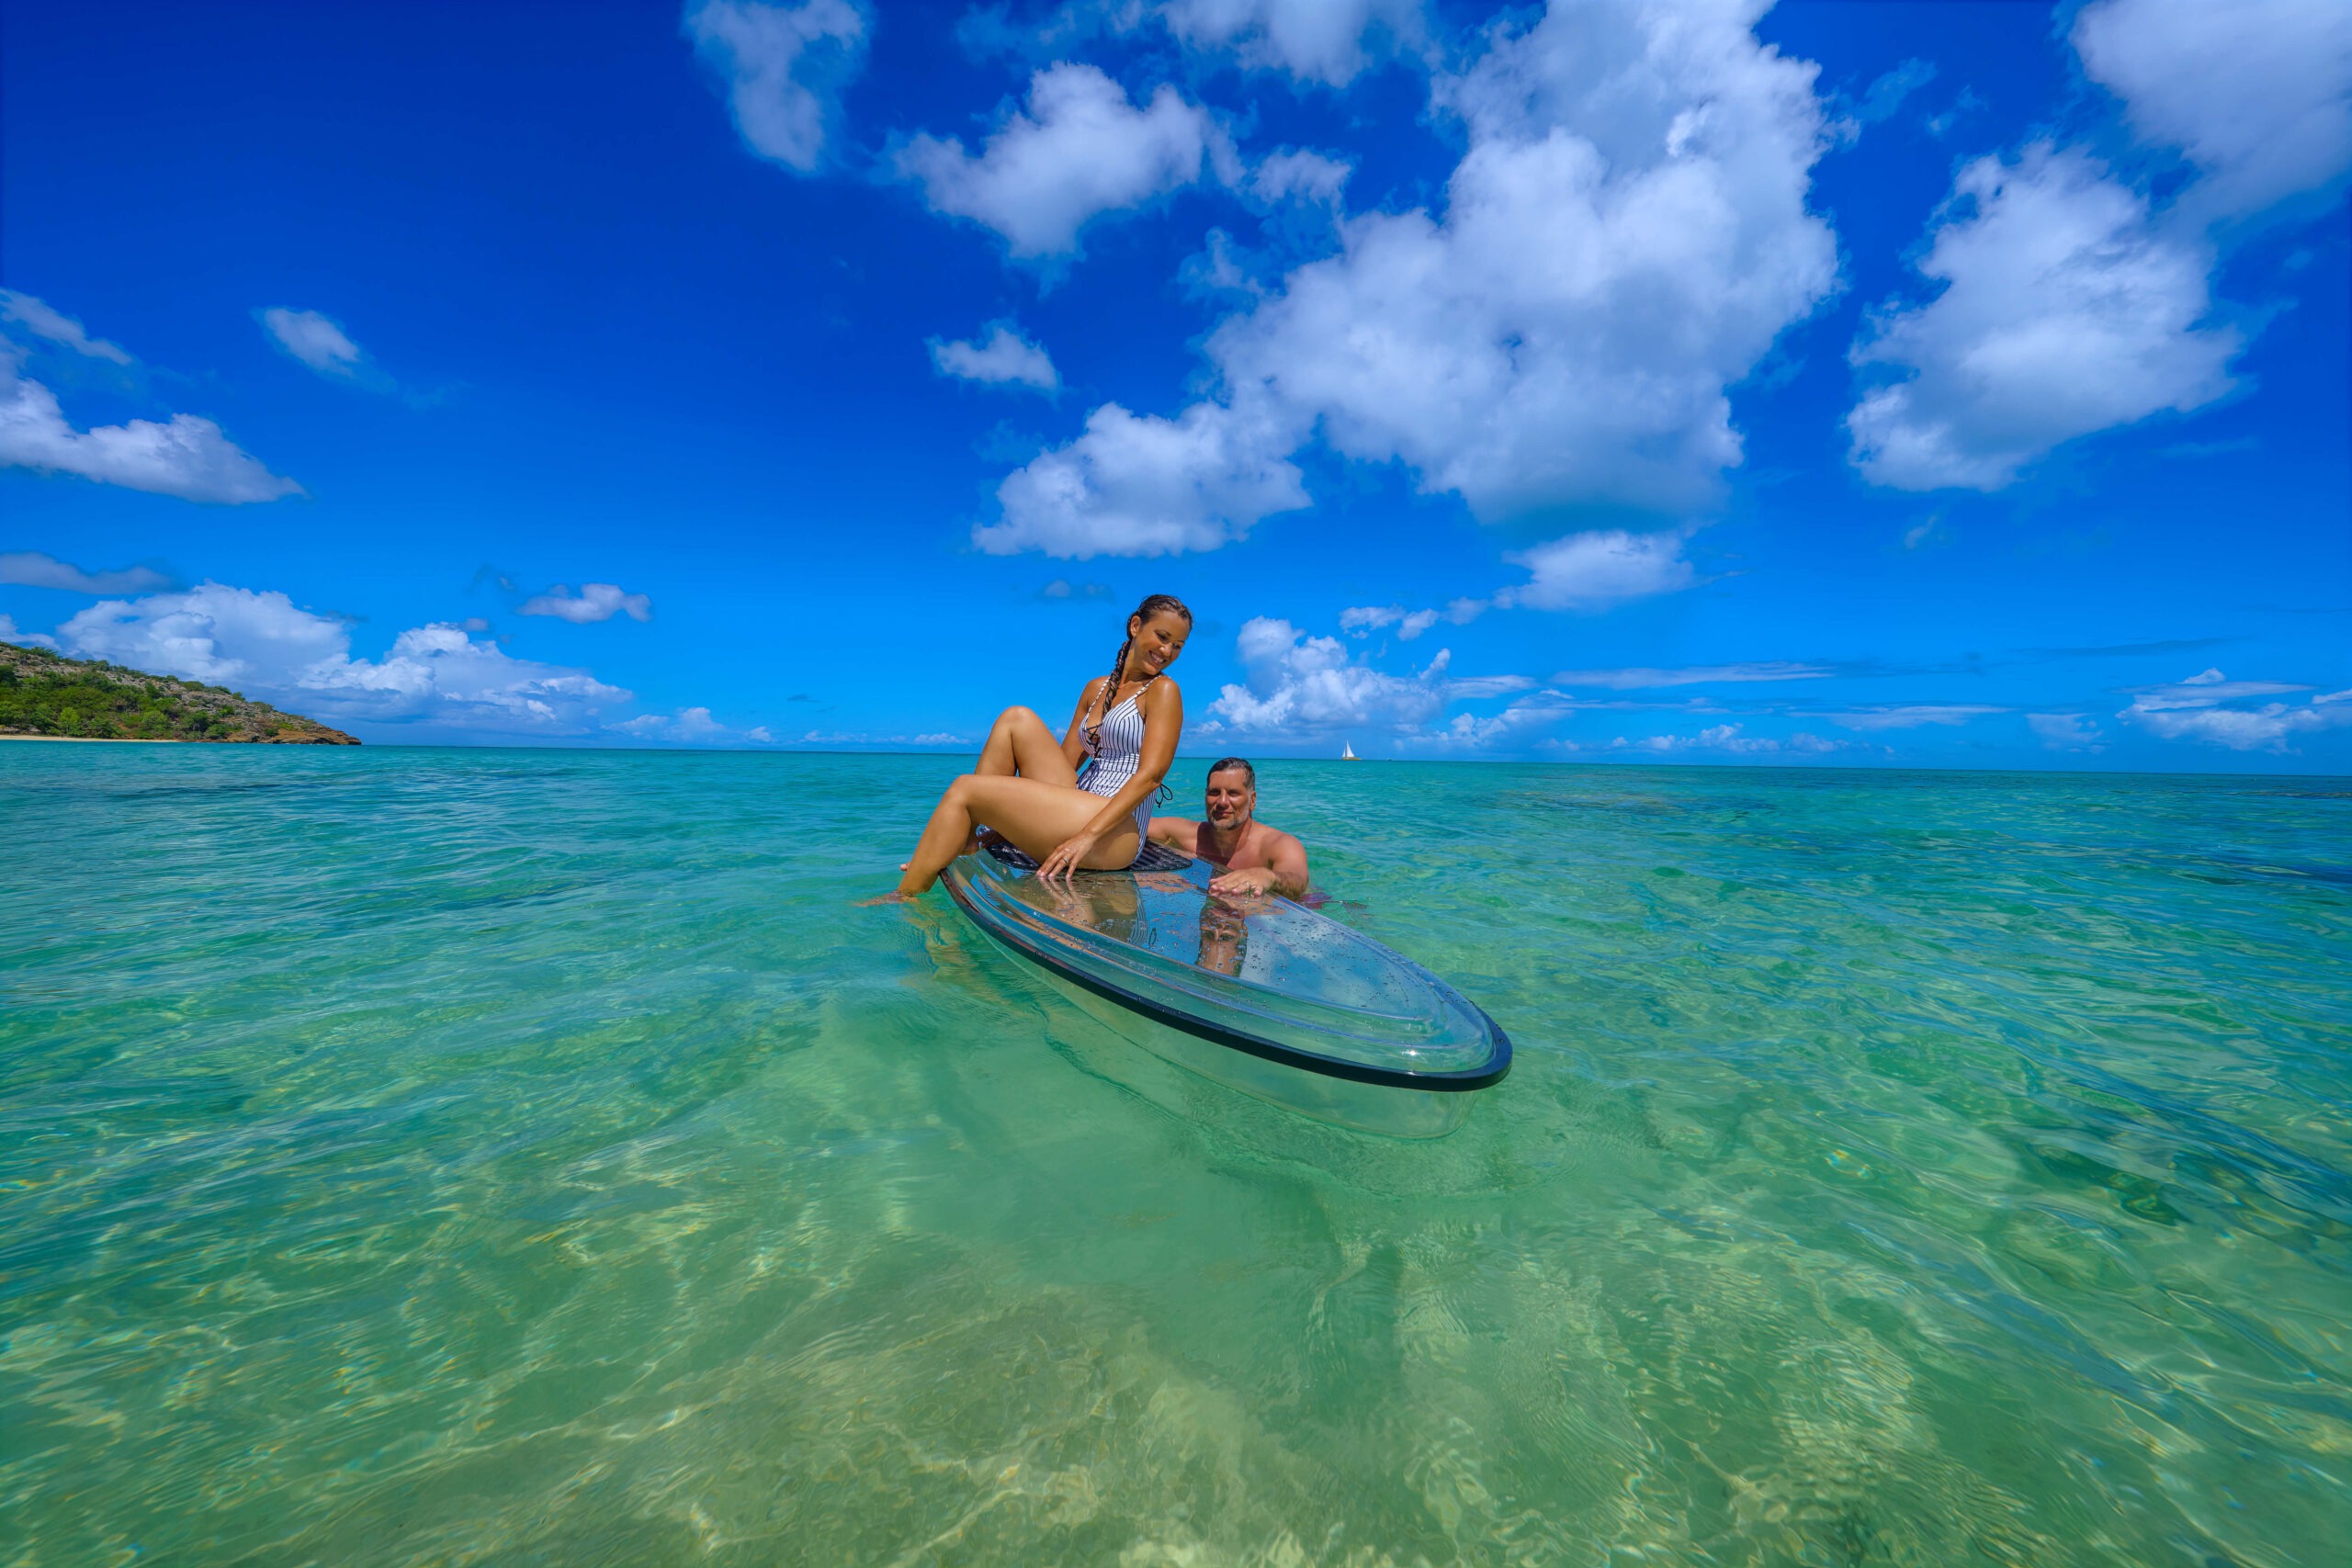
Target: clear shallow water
[(464, 1157)]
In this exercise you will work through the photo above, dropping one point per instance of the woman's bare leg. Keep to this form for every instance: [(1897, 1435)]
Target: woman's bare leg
[(1037, 816), (1019, 743)]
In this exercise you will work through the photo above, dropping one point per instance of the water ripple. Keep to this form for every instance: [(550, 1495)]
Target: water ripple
[(434, 1157)]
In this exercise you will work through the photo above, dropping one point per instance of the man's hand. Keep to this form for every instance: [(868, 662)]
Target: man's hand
[(1257, 880)]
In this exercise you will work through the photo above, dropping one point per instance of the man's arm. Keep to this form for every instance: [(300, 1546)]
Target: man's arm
[(1288, 859), (1176, 832), (1283, 872)]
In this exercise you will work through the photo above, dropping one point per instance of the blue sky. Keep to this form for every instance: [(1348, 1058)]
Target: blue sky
[(1937, 385)]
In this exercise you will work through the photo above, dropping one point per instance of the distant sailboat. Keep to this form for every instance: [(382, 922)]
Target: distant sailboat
[(1348, 753)]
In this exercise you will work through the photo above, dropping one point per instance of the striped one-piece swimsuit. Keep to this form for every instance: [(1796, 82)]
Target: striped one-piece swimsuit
[(1114, 751)]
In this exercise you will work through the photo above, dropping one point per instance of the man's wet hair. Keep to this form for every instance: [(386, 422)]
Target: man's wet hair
[(1233, 764)]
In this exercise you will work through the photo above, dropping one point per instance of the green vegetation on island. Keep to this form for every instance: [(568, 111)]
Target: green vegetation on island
[(47, 694)]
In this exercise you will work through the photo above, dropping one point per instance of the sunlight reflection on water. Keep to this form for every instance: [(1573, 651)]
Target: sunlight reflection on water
[(436, 1157)]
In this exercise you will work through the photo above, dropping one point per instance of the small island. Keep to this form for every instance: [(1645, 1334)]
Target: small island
[(50, 696)]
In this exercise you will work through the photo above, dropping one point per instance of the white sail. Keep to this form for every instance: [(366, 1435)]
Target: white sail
[(1348, 753)]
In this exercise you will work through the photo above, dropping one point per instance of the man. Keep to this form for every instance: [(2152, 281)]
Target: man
[(1256, 858)]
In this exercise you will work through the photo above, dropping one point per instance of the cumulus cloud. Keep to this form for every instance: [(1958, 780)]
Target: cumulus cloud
[(33, 569), (1362, 620), (1596, 569), (1325, 42), (2072, 304), (1626, 236), (2256, 94), (1518, 721), (1731, 739), (1004, 358), (186, 456), (1140, 485), (265, 646), (2199, 708), (2064, 312), (1640, 677), (1297, 176), (867, 738), (1299, 683), (1328, 41), (37, 317), (785, 69), (693, 725), (1715, 738), (594, 602), (1079, 149), (315, 340)]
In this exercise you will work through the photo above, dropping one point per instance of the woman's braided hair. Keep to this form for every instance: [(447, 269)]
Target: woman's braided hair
[(1157, 604)]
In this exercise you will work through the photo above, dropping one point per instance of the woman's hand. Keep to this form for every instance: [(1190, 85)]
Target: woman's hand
[(1069, 856)]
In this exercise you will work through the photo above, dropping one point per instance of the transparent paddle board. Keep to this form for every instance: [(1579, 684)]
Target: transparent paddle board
[(1259, 993)]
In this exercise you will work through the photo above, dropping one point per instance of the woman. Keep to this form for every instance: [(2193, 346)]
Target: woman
[(1028, 788)]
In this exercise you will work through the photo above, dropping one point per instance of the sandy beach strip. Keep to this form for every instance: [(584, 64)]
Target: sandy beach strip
[(117, 740)]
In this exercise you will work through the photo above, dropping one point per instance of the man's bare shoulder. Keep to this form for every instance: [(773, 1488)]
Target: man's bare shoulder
[(1176, 830), (1267, 842)]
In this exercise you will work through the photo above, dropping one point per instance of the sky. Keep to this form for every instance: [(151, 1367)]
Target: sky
[(1940, 385)]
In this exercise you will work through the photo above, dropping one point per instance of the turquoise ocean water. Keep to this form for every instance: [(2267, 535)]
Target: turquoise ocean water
[(439, 1156)]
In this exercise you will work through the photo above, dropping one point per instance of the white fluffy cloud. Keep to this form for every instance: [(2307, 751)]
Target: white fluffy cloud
[(693, 725), (2065, 312), (594, 602), (38, 318), (1729, 738), (1078, 151), (2258, 93), (2072, 304), (1328, 42), (1362, 620), (315, 340), (186, 456), (1596, 569), (785, 68), (1299, 683), (1625, 237), (2199, 708), (1140, 485), (1297, 176), (34, 570), (265, 646), (1004, 358), (1316, 40)]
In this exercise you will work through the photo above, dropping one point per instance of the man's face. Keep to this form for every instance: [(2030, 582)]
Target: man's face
[(1230, 798)]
